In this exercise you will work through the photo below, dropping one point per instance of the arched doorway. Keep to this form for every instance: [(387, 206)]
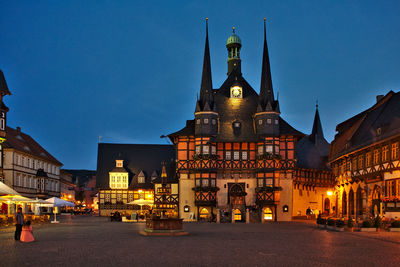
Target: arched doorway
[(376, 201), (237, 215), (351, 203), (344, 203), (359, 204), (237, 194), (327, 206), (267, 214), (204, 213)]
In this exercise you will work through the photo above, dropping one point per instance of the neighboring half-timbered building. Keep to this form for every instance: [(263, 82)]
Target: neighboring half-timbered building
[(365, 160), (238, 155)]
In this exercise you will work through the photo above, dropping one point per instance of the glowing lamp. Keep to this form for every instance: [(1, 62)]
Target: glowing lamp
[(329, 193)]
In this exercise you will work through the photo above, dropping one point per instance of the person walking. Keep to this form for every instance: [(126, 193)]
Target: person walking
[(19, 217)]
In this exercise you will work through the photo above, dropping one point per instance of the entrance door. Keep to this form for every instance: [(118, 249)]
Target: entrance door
[(327, 206), (267, 214), (237, 215)]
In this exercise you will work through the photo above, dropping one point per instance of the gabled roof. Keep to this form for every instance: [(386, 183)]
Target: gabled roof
[(361, 130), (137, 158), (22, 142)]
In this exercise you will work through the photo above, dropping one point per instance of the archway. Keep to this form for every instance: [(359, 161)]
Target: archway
[(359, 204), (237, 215), (237, 194), (204, 213), (376, 201), (344, 203), (351, 202), (327, 206), (267, 214)]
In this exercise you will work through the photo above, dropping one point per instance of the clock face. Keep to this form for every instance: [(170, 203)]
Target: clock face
[(236, 92)]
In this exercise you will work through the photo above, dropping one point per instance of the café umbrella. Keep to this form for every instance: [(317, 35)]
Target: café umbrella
[(6, 190), (58, 202)]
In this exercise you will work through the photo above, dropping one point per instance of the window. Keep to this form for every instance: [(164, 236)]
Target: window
[(385, 153), (276, 149), (269, 121), (29, 163), (197, 182), (236, 155), (23, 161), (360, 162), (395, 150), (205, 121), (268, 182), (260, 183), (244, 155), (197, 150), (376, 156), (141, 178), (213, 150), (206, 150), (259, 122), (212, 182), (260, 150), (368, 159), (119, 163), (204, 182), (198, 121), (2, 123), (276, 122), (228, 155), (236, 124), (214, 121), (269, 149)]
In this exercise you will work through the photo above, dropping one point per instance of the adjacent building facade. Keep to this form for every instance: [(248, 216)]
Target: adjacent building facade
[(365, 160), (3, 120)]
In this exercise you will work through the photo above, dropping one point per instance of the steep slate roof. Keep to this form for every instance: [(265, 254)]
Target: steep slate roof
[(137, 158), (3, 85), (361, 130), (312, 150), (24, 143)]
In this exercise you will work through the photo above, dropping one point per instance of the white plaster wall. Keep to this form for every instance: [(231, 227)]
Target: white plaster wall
[(186, 196), (285, 197)]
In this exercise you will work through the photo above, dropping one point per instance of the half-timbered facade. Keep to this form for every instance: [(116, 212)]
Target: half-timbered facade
[(365, 161), (238, 155)]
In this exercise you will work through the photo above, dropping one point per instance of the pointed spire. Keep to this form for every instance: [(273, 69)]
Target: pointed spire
[(3, 85), (268, 107), (266, 91), (163, 173), (317, 132), (206, 81)]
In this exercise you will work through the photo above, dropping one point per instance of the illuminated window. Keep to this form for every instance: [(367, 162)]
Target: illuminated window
[(141, 178), (269, 121), (204, 213), (267, 214), (385, 153), (197, 150), (368, 159), (212, 182), (260, 183), (238, 215), (260, 150), (259, 122), (198, 121), (204, 182), (236, 155), (206, 149), (197, 182), (276, 149), (213, 150), (244, 155), (205, 121), (269, 149), (119, 163), (276, 122), (268, 182), (376, 156), (360, 162), (228, 155), (395, 150), (214, 121)]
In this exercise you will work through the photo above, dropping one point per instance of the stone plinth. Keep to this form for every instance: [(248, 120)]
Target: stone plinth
[(163, 227)]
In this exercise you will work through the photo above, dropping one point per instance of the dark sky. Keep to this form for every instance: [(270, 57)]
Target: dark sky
[(130, 70)]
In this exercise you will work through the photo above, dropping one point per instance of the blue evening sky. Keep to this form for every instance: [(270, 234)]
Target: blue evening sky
[(130, 70)]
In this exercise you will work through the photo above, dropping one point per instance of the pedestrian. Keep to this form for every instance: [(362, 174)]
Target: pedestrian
[(137, 217), (26, 235), (308, 212), (19, 217)]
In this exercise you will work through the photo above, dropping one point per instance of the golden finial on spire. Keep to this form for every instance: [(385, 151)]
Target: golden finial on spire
[(206, 18), (233, 29), (265, 19)]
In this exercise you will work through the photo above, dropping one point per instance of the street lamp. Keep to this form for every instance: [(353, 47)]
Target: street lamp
[(329, 193)]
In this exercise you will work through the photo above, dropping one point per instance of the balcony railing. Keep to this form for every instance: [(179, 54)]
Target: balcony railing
[(236, 164)]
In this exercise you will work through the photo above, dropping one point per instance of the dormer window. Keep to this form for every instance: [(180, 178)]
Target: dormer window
[(276, 122), (259, 122), (141, 178), (236, 124), (269, 121), (205, 121), (378, 131), (198, 121), (119, 163), (214, 121)]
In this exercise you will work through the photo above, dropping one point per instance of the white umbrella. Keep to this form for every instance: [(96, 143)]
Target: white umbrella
[(6, 190), (141, 202), (16, 198), (58, 202)]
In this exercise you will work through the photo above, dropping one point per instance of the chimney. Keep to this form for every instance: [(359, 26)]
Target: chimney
[(379, 98), (18, 129)]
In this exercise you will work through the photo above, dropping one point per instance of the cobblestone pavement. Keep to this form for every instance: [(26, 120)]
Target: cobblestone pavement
[(94, 241)]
